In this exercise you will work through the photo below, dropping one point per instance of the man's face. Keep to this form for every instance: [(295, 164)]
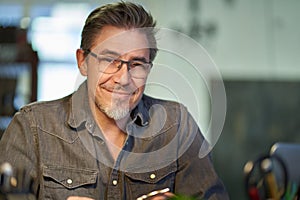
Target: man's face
[(116, 94)]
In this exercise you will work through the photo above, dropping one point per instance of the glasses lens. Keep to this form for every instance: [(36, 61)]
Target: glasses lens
[(108, 65), (139, 69)]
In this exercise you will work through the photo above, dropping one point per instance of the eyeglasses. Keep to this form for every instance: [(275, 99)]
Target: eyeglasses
[(111, 65)]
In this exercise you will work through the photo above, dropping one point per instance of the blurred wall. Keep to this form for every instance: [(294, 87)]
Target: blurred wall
[(250, 38)]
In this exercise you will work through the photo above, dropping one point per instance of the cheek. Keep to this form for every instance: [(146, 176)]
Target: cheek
[(140, 83), (138, 94), (93, 81), (93, 72), (95, 78)]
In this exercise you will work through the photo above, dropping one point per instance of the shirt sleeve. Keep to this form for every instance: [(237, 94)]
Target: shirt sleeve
[(196, 175), (18, 146)]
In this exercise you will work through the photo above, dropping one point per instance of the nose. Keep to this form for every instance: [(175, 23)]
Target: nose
[(122, 76)]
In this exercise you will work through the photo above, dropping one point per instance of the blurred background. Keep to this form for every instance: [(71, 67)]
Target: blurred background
[(254, 43)]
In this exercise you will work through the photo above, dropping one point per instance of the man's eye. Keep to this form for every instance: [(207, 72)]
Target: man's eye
[(136, 64)]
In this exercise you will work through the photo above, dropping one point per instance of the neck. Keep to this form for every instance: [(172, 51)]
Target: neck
[(106, 123), (113, 130)]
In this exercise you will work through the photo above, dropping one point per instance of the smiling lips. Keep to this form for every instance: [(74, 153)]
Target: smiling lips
[(119, 92)]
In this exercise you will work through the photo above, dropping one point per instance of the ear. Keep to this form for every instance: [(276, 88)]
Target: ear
[(81, 62)]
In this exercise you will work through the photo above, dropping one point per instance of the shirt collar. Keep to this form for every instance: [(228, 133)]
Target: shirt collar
[(140, 114), (80, 111)]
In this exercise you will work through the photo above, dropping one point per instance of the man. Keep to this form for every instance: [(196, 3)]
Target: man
[(108, 140)]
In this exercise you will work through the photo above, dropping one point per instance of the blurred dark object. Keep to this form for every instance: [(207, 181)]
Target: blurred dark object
[(289, 153), (10, 34), (274, 176), (259, 113), (17, 60), (15, 49), (15, 184), (7, 94)]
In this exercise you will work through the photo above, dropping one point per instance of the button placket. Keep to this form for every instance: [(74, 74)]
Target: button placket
[(114, 182), (114, 177), (114, 192)]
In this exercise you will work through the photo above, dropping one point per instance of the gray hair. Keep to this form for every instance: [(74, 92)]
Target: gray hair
[(122, 15)]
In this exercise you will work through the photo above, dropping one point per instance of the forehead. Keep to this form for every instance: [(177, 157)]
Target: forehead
[(120, 40)]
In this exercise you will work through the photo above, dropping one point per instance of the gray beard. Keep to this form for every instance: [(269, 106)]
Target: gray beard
[(117, 111)]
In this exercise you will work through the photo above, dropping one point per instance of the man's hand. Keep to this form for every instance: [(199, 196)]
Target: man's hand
[(157, 195), (78, 198), (163, 196)]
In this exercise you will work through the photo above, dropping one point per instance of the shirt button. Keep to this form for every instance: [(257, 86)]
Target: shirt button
[(152, 176), (69, 181), (115, 182)]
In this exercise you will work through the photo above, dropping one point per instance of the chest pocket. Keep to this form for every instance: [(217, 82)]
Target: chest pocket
[(144, 183), (62, 182)]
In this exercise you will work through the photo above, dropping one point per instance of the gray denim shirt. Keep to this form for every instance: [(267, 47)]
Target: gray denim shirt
[(61, 146)]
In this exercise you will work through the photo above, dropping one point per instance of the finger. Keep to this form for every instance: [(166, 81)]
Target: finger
[(159, 197), (163, 196), (78, 198), (169, 194)]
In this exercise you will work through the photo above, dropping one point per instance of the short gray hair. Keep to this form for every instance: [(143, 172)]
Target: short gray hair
[(122, 15)]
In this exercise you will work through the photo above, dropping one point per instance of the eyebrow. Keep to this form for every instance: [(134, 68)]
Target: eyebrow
[(110, 52), (114, 53), (137, 58)]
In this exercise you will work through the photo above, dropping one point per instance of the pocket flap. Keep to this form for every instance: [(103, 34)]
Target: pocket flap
[(68, 177), (153, 176)]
